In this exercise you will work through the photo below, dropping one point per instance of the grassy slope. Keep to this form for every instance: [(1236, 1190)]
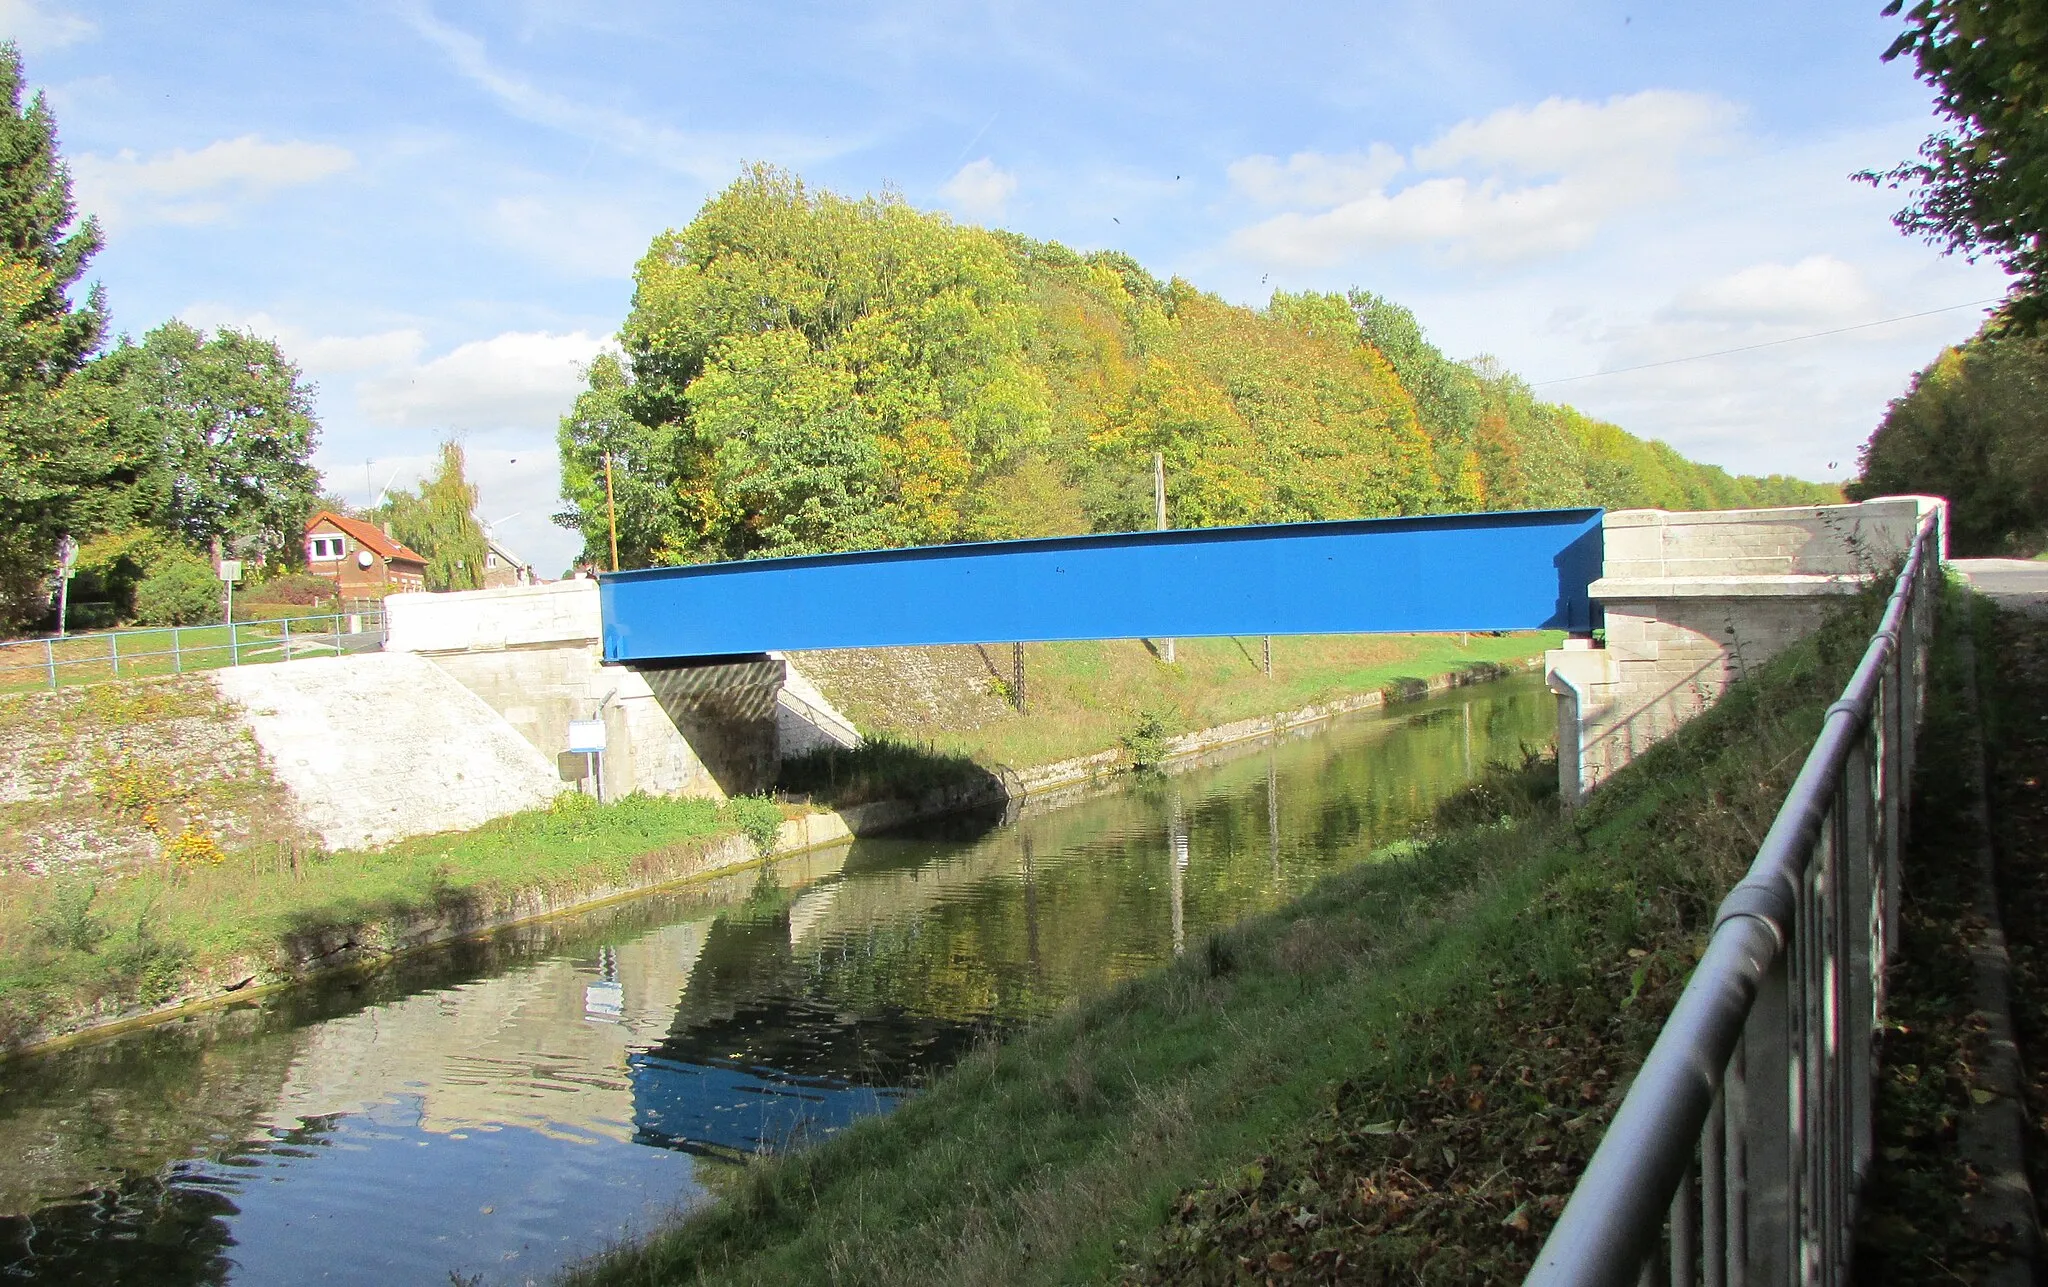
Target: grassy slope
[(141, 765), (1404, 1068), (1083, 697)]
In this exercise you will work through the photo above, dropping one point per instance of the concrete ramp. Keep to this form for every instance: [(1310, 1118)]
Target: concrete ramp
[(378, 747)]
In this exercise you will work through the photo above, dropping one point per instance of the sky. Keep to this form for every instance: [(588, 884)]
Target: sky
[(436, 207)]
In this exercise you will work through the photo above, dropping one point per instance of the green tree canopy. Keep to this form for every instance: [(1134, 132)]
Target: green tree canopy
[(232, 423), (1980, 186), (439, 520), (804, 372), (1974, 428)]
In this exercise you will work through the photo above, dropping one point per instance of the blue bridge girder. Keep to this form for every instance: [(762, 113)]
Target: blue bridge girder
[(1519, 570)]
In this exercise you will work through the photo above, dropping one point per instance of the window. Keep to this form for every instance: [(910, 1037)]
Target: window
[(490, 561), (328, 547)]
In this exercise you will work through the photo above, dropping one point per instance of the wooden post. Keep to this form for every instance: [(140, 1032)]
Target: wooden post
[(1017, 675), (1269, 656), (1159, 511), (611, 512)]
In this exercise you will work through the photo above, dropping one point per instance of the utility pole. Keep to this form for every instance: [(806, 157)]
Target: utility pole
[(611, 511), (1159, 511)]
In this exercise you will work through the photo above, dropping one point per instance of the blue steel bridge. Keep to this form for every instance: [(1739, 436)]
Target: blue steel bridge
[(1521, 570)]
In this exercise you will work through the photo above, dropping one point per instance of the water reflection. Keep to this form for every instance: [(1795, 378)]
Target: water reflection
[(504, 1107)]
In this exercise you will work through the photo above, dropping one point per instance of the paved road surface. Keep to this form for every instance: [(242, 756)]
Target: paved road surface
[(2011, 583)]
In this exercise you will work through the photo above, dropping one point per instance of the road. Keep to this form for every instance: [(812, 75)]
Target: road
[(2010, 583)]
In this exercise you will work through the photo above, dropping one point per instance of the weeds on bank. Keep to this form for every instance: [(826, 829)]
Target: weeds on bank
[(1396, 1077), (78, 946), (882, 767)]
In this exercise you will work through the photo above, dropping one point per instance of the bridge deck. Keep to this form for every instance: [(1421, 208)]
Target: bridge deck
[(1522, 570)]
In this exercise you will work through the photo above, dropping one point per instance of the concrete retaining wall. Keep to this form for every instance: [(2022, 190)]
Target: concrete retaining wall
[(381, 746)]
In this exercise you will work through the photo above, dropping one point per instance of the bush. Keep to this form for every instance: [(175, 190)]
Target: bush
[(180, 590), (758, 819), (298, 589), (1146, 740)]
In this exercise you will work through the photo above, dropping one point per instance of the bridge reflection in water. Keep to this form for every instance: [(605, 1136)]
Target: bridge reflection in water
[(503, 1107)]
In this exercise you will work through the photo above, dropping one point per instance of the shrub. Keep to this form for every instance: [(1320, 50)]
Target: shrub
[(1145, 741), (180, 590), (298, 589), (70, 921), (758, 818)]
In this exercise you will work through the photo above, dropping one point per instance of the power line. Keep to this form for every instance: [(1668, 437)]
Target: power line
[(1767, 344)]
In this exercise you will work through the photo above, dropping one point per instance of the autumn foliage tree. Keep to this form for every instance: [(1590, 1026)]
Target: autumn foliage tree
[(803, 372)]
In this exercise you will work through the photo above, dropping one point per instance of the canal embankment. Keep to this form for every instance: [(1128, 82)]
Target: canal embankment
[(1396, 1075), (153, 862)]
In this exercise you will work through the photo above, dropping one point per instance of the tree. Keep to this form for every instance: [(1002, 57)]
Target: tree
[(1974, 428), (233, 424), (53, 451), (1980, 186), (439, 521), (658, 522)]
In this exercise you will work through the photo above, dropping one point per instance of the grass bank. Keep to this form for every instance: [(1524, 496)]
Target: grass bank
[(1083, 697), (1397, 1076), (1914, 1228), (146, 855)]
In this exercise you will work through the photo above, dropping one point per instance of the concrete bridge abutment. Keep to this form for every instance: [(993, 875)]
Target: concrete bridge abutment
[(1693, 601), (709, 728)]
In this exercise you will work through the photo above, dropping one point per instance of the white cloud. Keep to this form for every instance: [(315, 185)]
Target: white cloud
[(1817, 289), (577, 239), (39, 27), (514, 379), (708, 156), (1561, 136), (1519, 183), (1313, 179), (196, 187), (980, 190)]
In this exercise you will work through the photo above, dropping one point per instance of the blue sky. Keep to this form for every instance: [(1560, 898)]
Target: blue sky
[(436, 207)]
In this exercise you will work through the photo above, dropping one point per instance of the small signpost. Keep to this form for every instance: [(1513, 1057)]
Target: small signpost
[(67, 567), (586, 738), (230, 572)]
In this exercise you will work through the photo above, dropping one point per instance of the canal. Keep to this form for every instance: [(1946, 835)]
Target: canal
[(491, 1111)]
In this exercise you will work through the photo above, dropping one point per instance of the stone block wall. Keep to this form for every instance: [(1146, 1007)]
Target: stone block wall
[(1693, 601)]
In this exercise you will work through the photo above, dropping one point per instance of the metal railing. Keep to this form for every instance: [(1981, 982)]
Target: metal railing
[(1738, 1152), (57, 661)]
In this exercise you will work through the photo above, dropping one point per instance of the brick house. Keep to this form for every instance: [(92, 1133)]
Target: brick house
[(502, 567), (362, 560)]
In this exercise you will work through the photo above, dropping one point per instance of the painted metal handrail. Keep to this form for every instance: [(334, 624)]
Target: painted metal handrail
[(1738, 1152)]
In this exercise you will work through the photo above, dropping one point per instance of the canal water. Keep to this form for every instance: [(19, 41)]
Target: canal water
[(496, 1110)]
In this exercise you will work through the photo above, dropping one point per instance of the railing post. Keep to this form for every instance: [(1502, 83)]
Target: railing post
[(286, 623), (234, 645), (177, 657), (1770, 1130), (50, 660), (114, 650)]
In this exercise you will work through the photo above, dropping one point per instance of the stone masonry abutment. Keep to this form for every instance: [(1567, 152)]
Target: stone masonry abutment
[(1693, 601)]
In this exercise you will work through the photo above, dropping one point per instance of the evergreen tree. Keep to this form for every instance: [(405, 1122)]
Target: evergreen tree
[(54, 451)]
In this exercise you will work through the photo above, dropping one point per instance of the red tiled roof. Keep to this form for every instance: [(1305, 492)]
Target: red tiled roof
[(370, 536)]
